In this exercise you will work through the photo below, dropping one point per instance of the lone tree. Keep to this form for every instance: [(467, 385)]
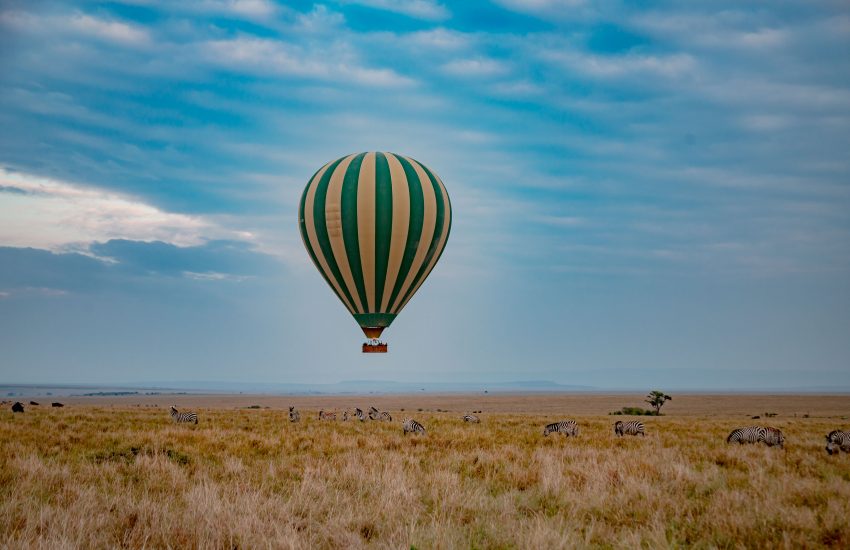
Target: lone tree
[(657, 399)]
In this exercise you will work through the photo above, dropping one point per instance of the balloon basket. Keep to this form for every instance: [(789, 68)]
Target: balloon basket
[(374, 346)]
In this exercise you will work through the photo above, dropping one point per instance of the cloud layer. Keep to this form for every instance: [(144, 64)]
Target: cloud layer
[(587, 147)]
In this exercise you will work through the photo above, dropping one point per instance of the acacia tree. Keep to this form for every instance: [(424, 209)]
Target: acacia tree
[(657, 399)]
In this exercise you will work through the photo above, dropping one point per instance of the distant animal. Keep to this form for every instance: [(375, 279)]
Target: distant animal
[(749, 434), (326, 415), (56, 404), (566, 427), (33, 403), (633, 427), (294, 416), (773, 436), (411, 426), (471, 418), (180, 417), (345, 416), (18, 407), (838, 441), (361, 416), (375, 414)]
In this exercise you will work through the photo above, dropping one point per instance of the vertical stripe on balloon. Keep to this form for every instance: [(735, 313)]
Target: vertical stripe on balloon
[(400, 224), (324, 250), (366, 227), (336, 238), (315, 247), (440, 237), (427, 226)]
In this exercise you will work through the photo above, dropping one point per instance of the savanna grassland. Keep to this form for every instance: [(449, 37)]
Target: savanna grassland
[(103, 477)]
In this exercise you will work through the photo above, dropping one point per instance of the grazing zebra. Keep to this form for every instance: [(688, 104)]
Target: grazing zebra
[(750, 434), (566, 427), (326, 415), (294, 416), (375, 414), (360, 415), (412, 426), (773, 436), (180, 417), (838, 441), (633, 427), (345, 416), (471, 418)]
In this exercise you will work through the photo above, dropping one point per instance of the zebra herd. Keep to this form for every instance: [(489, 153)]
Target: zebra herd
[(836, 441)]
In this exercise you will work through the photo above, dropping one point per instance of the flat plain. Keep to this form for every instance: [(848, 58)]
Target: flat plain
[(116, 472)]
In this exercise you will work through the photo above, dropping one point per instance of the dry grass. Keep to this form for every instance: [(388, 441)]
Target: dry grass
[(127, 477)]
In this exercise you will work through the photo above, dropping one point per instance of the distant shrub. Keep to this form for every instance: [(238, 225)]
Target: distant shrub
[(634, 411), (769, 415)]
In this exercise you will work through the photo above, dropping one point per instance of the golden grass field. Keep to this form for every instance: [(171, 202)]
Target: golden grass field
[(122, 475)]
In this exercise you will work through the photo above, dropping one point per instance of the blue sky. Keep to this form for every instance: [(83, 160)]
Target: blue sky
[(643, 195)]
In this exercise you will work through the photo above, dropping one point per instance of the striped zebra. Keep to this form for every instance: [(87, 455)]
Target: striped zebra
[(294, 416), (750, 434), (361, 416), (375, 414), (566, 427), (412, 426), (633, 427), (773, 436), (838, 441), (471, 418), (180, 417), (327, 415)]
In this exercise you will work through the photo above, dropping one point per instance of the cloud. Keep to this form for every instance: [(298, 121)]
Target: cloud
[(124, 264), (476, 67), (428, 10), (110, 30), (51, 214), (277, 58)]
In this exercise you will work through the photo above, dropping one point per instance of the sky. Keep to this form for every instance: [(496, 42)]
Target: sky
[(644, 194)]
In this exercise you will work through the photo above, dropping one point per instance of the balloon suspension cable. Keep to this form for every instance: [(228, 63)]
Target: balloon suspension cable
[(374, 346)]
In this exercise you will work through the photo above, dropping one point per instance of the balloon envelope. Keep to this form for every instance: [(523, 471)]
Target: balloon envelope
[(375, 225)]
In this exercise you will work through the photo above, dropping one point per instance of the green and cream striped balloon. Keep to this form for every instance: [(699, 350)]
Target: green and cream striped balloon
[(375, 225)]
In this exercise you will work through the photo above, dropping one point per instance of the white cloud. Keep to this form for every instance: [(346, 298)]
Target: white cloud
[(441, 39), (420, 9), (55, 215), (113, 31), (274, 57), (603, 66), (476, 67)]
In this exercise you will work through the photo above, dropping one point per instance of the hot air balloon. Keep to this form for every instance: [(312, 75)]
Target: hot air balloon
[(374, 225)]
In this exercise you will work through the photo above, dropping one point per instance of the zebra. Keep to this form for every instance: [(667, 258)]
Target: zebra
[(360, 415), (750, 434), (180, 417), (375, 414), (294, 416), (633, 427), (838, 441), (412, 426), (327, 415), (471, 418), (566, 427), (773, 436)]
